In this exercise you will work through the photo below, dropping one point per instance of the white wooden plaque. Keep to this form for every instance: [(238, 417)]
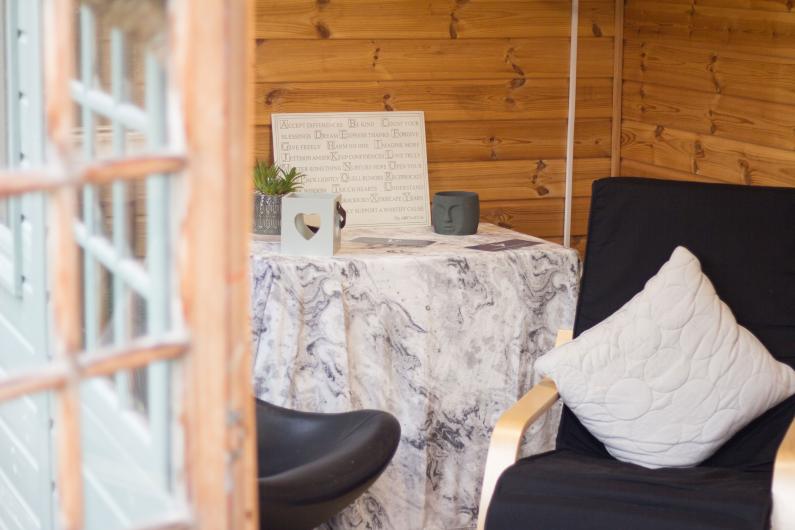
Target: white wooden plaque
[(375, 160)]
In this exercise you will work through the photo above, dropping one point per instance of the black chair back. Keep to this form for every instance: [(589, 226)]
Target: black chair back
[(744, 237)]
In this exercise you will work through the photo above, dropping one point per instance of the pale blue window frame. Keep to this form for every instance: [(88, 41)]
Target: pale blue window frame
[(19, 92), (149, 280)]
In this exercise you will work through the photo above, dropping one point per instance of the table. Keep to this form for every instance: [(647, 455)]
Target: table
[(443, 337)]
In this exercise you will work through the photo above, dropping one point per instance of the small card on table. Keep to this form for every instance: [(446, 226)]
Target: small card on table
[(508, 244), (391, 242)]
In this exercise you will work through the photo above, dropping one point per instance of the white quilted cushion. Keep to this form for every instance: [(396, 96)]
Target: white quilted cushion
[(671, 376)]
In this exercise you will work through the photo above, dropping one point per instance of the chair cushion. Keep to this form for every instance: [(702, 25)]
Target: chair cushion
[(568, 491), (670, 376), (741, 234)]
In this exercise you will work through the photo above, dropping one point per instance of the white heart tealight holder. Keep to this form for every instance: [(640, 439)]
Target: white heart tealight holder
[(298, 234)]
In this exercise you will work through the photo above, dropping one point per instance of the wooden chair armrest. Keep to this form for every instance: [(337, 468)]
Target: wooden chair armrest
[(510, 428), (564, 336), (783, 515)]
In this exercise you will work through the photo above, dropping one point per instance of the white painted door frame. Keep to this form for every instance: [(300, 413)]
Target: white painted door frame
[(26, 466)]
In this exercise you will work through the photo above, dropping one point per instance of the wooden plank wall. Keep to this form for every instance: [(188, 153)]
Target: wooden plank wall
[(709, 90), (491, 76)]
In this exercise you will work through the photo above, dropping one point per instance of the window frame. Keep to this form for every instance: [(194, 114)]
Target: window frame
[(11, 237), (211, 62)]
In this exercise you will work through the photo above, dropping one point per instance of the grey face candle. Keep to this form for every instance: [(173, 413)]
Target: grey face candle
[(455, 213)]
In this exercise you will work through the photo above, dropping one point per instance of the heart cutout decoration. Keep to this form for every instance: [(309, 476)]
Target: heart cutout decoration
[(307, 231)]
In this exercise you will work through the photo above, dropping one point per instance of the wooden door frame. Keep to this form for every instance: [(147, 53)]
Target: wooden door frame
[(212, 100), (214, 51)]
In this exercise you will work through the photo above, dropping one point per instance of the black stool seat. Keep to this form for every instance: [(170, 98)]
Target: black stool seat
[(313, 465)]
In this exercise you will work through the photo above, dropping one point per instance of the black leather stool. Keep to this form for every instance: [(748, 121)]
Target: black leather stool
[(311, 466)]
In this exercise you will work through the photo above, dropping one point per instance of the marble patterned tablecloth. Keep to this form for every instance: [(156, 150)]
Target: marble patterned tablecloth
[(443, 337)]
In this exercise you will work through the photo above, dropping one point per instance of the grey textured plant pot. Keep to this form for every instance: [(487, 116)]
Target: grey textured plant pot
[(267, 214), (455, 213)]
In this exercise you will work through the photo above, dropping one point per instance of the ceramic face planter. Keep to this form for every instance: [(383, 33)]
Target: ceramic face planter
[(455, 213)]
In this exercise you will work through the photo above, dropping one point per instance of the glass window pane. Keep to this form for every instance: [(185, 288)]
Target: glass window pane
[(128, 476), (126, 254)]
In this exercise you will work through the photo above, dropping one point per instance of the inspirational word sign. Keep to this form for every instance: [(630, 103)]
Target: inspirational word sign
[(375, 160)]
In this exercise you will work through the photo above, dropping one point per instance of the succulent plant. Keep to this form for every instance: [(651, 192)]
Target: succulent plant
[(270, 179)]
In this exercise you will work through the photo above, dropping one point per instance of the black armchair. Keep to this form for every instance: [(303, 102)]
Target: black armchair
[(313, 465), (745, 240)]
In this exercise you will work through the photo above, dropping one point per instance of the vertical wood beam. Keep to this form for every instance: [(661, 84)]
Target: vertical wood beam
[(66, 308), (243, 438), (59, 67), (214, 75), (618, 85)]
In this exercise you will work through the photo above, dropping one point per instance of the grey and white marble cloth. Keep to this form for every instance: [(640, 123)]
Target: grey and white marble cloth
[(443, 337)]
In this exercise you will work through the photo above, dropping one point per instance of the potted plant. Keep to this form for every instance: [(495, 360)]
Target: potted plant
[(271, 183)]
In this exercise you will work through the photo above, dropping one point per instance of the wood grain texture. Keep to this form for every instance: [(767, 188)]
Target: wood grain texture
[(426, 19), (709, 91), (496, 140), (130, 168), (748, 16), (491, 78), (778, 6), (15, 181), (618, 86), (66, 307), (578, 242), (717, 158), (28, 382), (136, 355), (517, 179), (747, 120), (764, 28), (633, 168), (428, 59), (214, 42), (711, 70), (783, 487), (506, 438), (542, 218), (445, 100), (515, 140), (59, 62)]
